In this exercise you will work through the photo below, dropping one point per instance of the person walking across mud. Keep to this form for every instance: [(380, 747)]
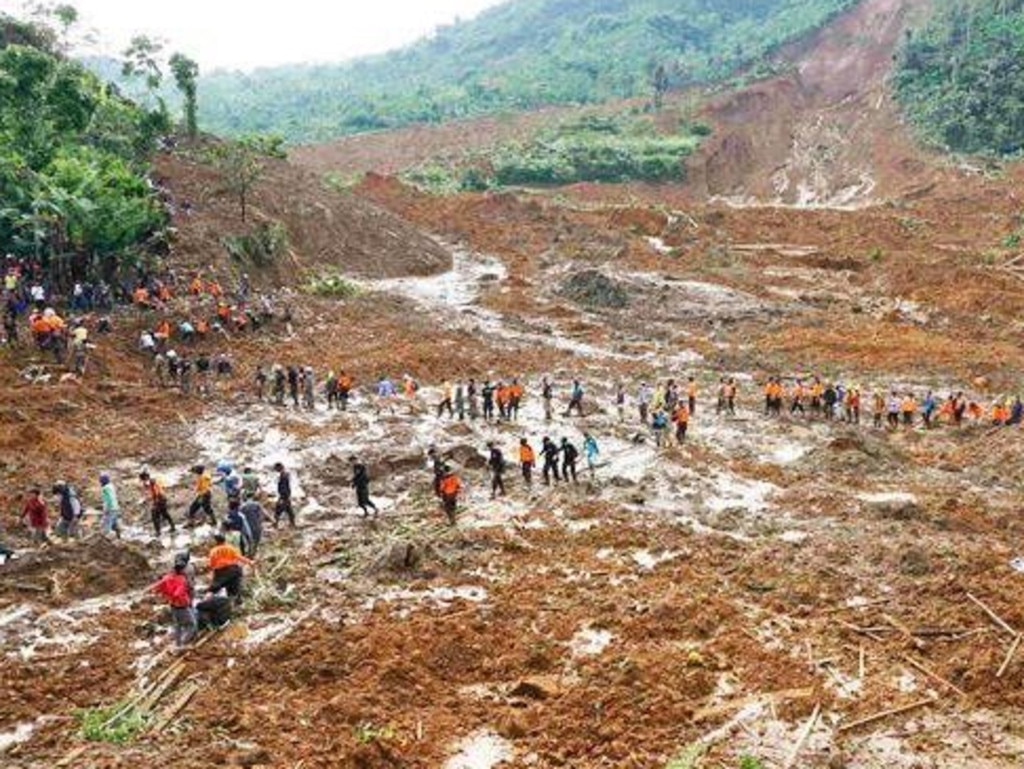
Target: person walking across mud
[(69, 522), (345, 384), (309, 389), (437, 468), (878, 409), (226, 562), (361, 483), (569, 456), (591, 451), (261, 382), (516, 393), (447, 399), (575, 399), (892, 410), (460, 401), (496, 464), (293, 385), (659, 426), (252, 512), (731, 393), (644, 396), (551, 453), (620, 401), (36, 516), (174, 589), (681, 419), (157, 497), (279, 384), (449, 489), (487, 393), (283, 507), (547, 394), (691, 395), (202, 502), (473, 399), (111, 507), (527, 460)]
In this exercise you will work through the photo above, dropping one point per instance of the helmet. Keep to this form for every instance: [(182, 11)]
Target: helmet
[(224, 467), (104, 479)]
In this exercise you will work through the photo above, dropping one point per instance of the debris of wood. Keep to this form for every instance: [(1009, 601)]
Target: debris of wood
[(933, 675), (904, 631), (992, 615), (1009, 656), (805, 733), (843, 728), (712, 711)]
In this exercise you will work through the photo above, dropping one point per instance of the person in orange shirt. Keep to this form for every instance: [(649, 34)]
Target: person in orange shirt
[(449, 488), (196, 286), (345, 384), (501, 397), (202, 327), (908, 407), (515, 399), (527, 460), (226, 564), (799, 392), (213, 289), (681, 419), (691, 396), (817, 391), (224, 313)]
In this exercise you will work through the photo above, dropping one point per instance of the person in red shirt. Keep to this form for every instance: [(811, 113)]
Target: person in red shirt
[(174, 588), (226, 564), (36, 514)]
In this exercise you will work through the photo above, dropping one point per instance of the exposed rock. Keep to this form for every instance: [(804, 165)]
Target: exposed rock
[(591, 288)]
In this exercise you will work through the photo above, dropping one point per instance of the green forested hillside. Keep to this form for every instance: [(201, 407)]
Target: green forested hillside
[(518, 55), (961, 77), (73, 159)]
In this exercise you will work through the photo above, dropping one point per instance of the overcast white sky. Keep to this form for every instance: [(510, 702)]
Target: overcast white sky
[(248, 33)]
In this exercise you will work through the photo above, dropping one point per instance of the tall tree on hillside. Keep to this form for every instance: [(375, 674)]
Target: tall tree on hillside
[(240, 167), (186, 73), (141, 60), (659, 82)]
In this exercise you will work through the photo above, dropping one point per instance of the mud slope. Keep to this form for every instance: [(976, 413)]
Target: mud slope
[(825, 133), (327, 229)]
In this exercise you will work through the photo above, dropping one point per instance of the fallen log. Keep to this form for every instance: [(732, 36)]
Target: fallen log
[(805, 733)]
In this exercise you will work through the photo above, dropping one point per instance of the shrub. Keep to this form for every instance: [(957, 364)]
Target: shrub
[(334, 286), (262, 246)]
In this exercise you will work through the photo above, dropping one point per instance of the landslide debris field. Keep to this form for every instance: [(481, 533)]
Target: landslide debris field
[(768, 590)]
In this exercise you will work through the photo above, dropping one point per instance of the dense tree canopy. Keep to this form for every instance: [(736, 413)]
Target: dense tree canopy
[(518, 55), (961, 77), (72, 156)]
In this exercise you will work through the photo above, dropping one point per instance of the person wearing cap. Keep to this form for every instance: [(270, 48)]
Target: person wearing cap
[(226, 564), (174, 588), (111, 508), (361, 483)]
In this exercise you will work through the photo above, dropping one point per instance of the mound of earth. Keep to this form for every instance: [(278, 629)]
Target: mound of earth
[(594, 289), (328, 230), (59, 574)]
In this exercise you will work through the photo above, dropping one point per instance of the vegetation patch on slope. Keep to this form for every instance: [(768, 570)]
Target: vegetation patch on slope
[(961, 77)]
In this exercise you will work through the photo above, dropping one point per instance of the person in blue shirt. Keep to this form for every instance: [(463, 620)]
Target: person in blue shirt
[(591, 451)]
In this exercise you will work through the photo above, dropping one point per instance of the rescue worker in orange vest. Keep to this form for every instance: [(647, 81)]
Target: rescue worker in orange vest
[(908, 408), (681, 419), (196, 286), (515, 399), (501, 397), (203, 501), (225, 561), (527, 460), (141, 296), (817, 392), (345, 383), (799, 393), (691, 395), (449, 488)]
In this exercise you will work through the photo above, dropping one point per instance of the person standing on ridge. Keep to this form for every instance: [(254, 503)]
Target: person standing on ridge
[(527, 460), (284, 496)]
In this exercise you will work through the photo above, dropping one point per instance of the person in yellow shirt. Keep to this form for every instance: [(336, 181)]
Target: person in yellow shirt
[(203, 501)]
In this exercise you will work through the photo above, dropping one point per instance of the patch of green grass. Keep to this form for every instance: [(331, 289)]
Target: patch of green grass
[(100, 725)]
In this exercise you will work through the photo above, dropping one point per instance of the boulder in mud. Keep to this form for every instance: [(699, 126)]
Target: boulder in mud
[(468, 457), (594, 289), (398, 557)]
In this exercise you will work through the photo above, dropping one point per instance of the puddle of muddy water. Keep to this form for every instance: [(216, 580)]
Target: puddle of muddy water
[(483, 750)]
